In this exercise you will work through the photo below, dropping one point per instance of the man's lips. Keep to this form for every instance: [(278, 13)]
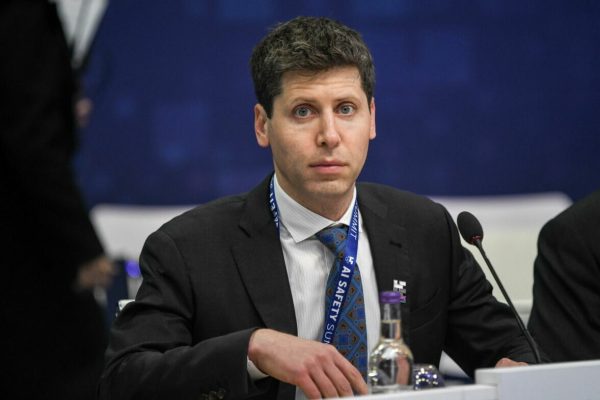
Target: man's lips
[(328, 166)]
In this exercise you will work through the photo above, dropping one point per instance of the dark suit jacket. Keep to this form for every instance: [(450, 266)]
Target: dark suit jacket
[(215, 274), (565, 318)]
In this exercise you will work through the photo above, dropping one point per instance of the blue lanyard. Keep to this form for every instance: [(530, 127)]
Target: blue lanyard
[(273, 203), (343, 276)]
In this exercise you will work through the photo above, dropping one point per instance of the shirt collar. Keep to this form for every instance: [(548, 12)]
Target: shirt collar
[(302, 223)]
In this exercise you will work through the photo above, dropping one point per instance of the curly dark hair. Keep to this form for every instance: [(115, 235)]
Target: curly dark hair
[(307, 44)]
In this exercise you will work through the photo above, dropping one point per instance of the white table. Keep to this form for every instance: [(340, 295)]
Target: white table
[(558, 381)]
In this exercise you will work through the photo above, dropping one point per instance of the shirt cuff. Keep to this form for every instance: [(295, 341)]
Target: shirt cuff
[(254, 372)]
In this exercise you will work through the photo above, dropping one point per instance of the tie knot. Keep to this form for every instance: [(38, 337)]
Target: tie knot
[(334, 237)]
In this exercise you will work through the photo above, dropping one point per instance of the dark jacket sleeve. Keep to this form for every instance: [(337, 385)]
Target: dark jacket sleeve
[(154, 352)]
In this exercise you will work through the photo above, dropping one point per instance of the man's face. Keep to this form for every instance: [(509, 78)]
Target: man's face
[(319, 134)]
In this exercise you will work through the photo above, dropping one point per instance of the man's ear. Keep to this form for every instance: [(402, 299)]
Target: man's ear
[(261, 128), (373, 131)]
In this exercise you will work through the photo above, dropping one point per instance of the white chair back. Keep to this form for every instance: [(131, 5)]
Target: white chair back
[(123, 229)]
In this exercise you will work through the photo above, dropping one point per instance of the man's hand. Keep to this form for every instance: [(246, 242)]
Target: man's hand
[(318, 369), (98, 272), (507, 362)]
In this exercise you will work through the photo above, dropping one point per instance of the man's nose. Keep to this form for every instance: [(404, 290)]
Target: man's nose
[(328, 134)]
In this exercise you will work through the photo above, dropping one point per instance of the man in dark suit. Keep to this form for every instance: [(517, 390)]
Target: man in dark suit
[(565, 318), (232, 304), (51, 259)]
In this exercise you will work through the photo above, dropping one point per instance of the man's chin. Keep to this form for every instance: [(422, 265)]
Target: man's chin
[(333, 189)]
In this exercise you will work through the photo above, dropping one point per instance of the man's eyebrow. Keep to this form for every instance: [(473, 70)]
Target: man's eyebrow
[(312, 99)]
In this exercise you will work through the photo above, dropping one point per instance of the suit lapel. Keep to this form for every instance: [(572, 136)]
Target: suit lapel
[(261, 265), (389, 248)]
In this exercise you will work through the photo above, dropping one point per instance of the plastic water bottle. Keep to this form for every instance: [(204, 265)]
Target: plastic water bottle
[(391, 362)]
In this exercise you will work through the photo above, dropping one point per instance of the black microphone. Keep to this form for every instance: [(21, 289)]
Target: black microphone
[(471, 230)]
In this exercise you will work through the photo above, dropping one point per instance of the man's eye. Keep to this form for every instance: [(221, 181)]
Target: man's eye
[(346, 109), (302, 112)]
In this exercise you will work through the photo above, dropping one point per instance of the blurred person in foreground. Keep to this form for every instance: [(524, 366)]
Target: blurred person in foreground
[(565, 317), (51, 258), (233, 302)]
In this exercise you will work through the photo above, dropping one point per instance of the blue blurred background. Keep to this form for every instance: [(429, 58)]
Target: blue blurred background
[(473, 97)]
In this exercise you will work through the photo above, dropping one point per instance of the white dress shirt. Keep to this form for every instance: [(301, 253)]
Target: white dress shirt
[(308, 263)]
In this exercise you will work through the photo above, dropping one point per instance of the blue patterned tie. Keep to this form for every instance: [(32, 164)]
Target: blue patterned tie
[(351, 335)]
